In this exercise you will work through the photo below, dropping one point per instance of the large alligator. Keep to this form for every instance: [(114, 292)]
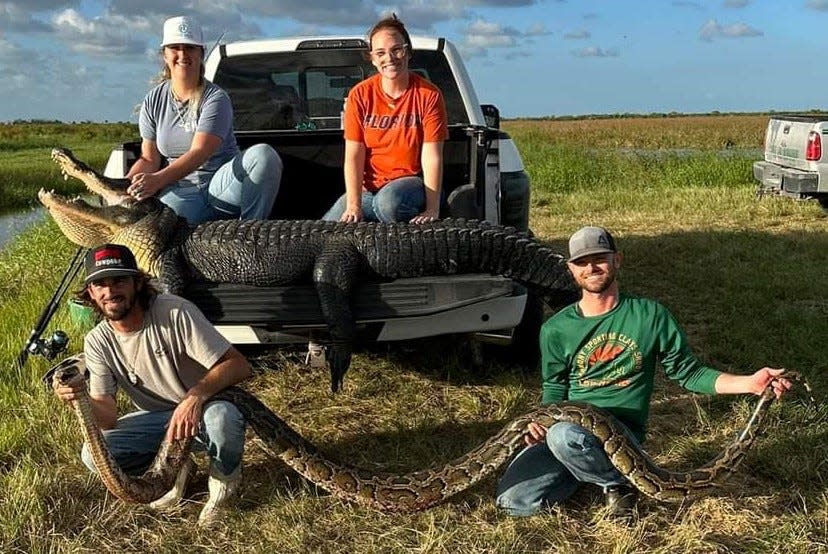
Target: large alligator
[(335, 256)]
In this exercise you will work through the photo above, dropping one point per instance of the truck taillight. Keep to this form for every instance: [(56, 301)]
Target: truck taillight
[(813, 152)]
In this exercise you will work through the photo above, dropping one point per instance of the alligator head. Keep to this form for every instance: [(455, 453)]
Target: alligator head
[(113, 191), (144, 227)]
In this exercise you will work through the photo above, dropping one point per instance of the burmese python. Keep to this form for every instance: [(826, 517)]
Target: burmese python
[(421, 489)]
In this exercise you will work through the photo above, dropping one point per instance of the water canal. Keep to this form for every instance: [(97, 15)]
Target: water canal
[(12, 224)]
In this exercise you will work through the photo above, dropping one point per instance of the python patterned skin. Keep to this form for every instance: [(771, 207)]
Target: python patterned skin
[(423, 489)]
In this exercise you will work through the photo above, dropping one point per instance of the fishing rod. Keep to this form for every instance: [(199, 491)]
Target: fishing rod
[(59, 341)]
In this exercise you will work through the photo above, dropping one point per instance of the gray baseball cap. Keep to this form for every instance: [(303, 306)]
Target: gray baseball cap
[(587, 241)]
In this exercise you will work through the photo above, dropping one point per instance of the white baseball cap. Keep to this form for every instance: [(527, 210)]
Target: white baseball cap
[(182, 30)]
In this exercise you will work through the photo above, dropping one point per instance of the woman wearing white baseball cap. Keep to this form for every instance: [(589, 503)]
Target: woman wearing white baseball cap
[(187, 121)]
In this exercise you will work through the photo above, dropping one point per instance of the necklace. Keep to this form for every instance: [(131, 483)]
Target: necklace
[(132, 374), (132, 341), (186, 115)]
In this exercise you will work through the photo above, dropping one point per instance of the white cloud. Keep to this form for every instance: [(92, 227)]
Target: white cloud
[(577, 35), (422, 14), (11, 53), (487, 28), (819, 5), (595, 52), (107, 35), (481, 35), (536, 29), (713, 30), (59, 87), (18, 18), (489, 41), (332, 12)]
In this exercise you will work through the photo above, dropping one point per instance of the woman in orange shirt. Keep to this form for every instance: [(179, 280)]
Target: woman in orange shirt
[(395, 126)]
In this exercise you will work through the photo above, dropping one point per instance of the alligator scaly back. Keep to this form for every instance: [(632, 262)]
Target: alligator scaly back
[(334, 256), (267, 250)]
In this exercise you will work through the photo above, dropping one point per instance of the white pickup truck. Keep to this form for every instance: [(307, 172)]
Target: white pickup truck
[(289, 93), (794, 164)]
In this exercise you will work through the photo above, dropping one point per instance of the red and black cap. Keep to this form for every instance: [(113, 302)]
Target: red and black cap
[(109, 260)]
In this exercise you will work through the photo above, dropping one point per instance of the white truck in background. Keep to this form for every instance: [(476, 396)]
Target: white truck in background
[(794, 163)]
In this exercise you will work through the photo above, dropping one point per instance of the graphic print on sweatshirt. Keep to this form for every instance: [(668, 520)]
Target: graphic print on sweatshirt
[(608, 359)]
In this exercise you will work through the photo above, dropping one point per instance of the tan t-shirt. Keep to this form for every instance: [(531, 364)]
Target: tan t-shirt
[(159, 363)]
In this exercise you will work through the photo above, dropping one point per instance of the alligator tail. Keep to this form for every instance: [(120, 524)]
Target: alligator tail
[(467, 246)]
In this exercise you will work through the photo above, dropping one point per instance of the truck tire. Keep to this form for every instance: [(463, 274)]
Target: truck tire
[(525, 347), (514, 199), (823, 201)]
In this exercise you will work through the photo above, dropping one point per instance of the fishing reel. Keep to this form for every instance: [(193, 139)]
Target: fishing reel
[(50, 348)]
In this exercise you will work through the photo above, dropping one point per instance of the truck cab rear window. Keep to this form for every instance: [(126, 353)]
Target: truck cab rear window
[(304, 90)]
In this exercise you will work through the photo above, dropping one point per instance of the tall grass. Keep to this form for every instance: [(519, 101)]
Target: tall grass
[(744, 276), (26, 164)]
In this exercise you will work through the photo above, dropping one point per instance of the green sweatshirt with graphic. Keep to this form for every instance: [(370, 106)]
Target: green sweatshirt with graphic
[(610, 360)]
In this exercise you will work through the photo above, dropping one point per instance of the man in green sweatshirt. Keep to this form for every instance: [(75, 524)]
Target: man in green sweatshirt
[(604, 350)]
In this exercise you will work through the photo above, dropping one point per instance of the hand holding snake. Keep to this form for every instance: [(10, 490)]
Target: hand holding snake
[(423, 489)]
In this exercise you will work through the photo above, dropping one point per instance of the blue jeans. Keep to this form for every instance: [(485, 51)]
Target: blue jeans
[(245, 187), (137, 436), (397, 200), (547, 473)]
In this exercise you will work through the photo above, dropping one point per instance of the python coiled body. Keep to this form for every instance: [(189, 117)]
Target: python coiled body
[(423, 489)]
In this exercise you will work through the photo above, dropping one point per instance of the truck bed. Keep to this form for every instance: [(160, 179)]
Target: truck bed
[(313, 161), (403, 308)]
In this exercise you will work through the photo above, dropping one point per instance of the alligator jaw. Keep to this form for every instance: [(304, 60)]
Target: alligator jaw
[(113, 191), (82, 223), (145, 228)]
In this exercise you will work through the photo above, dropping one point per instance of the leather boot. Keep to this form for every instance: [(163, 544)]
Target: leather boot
[(223, 489), (176, 493), (621, 500)]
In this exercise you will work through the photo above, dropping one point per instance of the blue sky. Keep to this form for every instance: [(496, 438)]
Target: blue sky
[(77, 60)]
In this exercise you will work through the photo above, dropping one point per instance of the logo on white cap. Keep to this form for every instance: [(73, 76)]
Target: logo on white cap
[(182, 30)]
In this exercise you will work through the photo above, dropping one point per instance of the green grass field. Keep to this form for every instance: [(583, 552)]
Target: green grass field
[(26, 164), (743, 275)]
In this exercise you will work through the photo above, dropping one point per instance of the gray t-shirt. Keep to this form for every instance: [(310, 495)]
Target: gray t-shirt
[(164, 120), (159, 363)]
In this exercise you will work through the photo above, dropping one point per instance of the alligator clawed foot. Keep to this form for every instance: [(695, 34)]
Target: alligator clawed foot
[(338, 357)]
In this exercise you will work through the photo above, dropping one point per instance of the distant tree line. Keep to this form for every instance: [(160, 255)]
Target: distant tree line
[(654, 115), (59, 122)]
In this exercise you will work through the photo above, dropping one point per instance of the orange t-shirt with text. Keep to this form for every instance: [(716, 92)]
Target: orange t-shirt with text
[(394, 130)]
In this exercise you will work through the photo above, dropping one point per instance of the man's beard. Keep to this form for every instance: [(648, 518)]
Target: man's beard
[(599, 286), (119, 312)]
